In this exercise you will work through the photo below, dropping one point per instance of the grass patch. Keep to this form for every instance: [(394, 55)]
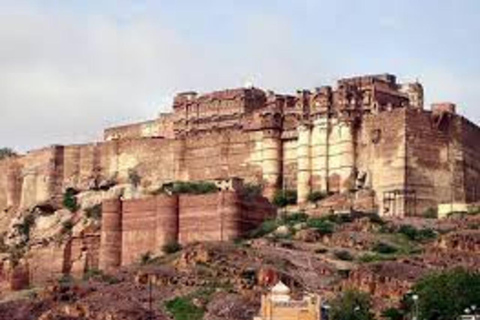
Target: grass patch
[(183, 308)]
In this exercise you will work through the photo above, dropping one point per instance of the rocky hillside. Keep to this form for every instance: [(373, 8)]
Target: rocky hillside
[(225, 280)]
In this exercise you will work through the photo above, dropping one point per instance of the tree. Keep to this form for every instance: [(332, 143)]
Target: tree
[(6, 152), (351, 305), (445, 295)]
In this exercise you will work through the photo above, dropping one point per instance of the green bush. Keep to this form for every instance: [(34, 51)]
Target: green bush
[(323, 226), (343, 255), (265, 228), (94, 212), (430, 213), (294, 218), (384, 248), (316, 196), (351, 305), (69, 200), (197, 187), (182, 308), (446, 294), (417, 235), (171, 247), (283, 198)]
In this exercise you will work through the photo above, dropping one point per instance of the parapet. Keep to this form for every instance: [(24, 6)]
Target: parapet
[(444, 107)]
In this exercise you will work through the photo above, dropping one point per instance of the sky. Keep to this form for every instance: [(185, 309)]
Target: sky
[(68, 69)]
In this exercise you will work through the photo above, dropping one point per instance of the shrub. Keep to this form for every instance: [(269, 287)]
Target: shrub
[(316, 196), (384, 248), (294, 218), (182, 308), (283, 198), (69, 200), (343, 255), (351, 305), (198, 187), (430, 213), (171, 247), (426, 234), (265, 228), (409, 231), (94, 212), (146, 258), (417, 235), (323, 226), (67, 226)]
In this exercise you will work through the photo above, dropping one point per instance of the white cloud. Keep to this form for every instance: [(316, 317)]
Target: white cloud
[(62, 79)]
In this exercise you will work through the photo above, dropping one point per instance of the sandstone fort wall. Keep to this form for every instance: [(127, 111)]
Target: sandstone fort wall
[(131, 228)]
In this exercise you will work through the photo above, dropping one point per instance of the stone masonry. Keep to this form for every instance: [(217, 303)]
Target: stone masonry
[(368, 132)]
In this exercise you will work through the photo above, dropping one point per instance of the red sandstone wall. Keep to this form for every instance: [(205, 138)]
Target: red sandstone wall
[(138, 229), (432, 159), (199, 220), (111, 235), (160, 127), (219, 155), (471, 156), (381, 152), (134, 227)]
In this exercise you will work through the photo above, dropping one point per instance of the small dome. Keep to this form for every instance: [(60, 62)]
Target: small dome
[(280, 288)]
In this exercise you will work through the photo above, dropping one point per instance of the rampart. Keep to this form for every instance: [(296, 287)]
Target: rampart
[(368, 133), (131, 228)]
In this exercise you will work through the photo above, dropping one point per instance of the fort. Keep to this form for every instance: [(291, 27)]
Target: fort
[(368, 143), (368, 132)]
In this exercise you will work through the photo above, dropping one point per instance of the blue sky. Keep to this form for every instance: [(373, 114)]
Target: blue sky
[(70, 68)]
